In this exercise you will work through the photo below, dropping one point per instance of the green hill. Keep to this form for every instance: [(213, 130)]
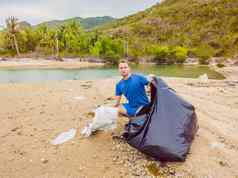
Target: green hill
[(86, 23), (211, 25)]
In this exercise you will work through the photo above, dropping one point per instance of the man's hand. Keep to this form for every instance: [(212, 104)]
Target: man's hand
[(118, 100)]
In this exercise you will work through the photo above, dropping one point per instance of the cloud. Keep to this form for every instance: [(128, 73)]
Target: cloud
[(44, 10)]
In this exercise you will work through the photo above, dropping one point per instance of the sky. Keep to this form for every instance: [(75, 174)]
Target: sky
[(37, 11)]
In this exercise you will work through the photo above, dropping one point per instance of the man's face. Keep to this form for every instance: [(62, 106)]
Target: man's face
[(124, 69)]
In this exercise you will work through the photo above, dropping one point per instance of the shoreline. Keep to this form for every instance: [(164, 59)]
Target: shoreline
[(47, 64)]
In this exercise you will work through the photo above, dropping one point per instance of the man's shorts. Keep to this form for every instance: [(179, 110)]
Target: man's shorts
[(131, 111)]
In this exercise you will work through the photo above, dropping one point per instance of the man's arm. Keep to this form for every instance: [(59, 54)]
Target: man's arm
[(118, 100)]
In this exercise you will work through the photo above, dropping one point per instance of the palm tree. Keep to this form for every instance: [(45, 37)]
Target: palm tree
[(12, 28)]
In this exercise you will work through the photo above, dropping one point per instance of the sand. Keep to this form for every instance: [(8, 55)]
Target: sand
[(34, 114), (41, 63)]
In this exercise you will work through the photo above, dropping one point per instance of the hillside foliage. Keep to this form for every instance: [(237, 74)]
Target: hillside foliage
[(165, 33)]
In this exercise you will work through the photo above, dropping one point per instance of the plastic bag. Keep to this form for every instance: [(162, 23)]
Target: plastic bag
[(64, 137), (105, 118)]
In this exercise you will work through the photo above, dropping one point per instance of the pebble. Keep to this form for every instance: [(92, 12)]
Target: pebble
[(137, 162), (95, 156), (43, 160)]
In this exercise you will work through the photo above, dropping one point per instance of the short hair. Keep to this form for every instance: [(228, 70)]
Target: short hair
[(123, 61)]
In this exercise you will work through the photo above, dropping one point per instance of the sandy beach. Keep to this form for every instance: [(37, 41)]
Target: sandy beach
[(44, 64), (32, 114)]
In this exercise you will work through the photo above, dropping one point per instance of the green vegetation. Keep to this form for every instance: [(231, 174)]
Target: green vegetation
[(204, 53), (198, 25), (67, 40), (166, 33)]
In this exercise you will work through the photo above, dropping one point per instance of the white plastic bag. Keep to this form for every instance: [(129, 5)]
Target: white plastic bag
[(105, 118), (64, 137), (203, 78)]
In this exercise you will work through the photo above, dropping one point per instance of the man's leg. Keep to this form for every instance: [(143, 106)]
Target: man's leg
[(122, 110)]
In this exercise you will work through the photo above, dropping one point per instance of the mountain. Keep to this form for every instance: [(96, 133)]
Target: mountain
[(24, 25), (191, 23), (86, 23)]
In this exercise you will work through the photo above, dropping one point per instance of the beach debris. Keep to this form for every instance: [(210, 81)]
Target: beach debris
[(79, 98), (232, 83), (86, 86), (216, 145), (110, 98), (105, 118), (203, 78), (64, 137), (87, 130)]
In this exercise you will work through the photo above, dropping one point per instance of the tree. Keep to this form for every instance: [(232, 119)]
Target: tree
[(70, 35), (12, 28)]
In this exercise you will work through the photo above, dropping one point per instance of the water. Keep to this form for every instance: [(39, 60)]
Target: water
[(40, 75)]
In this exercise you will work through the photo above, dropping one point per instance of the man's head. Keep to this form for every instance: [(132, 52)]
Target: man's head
[(124, 68)]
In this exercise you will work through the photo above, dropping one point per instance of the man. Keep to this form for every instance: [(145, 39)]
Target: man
[(132, 86)]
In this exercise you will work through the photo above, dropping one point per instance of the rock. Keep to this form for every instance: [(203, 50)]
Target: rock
[(80, 168), (95, 156), (19, 133), (191, 61), (223, 163), (44, 161), (10, 117), (15, 129), (90, 114), (114, 159), (118, 146)]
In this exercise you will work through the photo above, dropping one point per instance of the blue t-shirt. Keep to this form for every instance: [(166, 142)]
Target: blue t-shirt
[(134, 90)]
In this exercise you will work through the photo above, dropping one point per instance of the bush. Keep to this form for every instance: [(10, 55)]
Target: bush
[(7, 52), (180, 54), (112, 57), (204, 53), (162, 54)]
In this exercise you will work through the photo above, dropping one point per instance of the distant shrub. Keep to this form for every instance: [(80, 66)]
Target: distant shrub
[(112, 57), (161, 53), (180, 54), (2, 51), (204, 53), (7, 52)]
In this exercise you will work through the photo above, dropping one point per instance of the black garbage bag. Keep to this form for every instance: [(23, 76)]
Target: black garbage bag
[(166, 128)]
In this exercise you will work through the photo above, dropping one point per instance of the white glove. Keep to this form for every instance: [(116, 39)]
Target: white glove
[(150, 77)]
